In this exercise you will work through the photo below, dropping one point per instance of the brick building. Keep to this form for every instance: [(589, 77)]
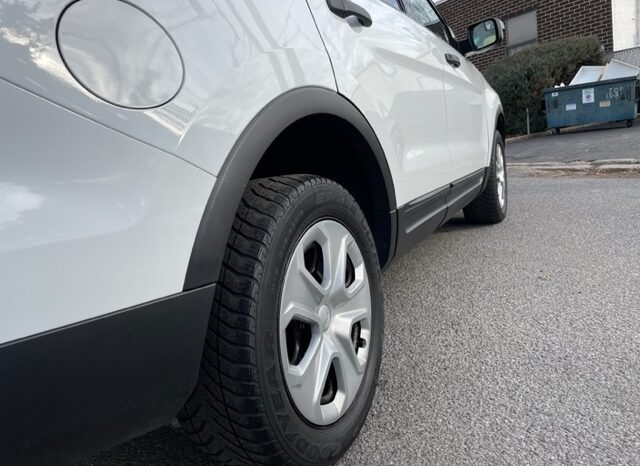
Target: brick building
[(533, 21)]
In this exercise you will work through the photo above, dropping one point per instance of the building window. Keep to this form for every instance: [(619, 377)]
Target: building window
[(522, 32)]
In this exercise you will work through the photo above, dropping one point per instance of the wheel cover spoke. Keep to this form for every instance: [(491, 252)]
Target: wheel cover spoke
[(332, 304)]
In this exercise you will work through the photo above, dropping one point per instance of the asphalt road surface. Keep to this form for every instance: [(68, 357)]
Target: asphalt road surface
[(605, 142), (512, 344)]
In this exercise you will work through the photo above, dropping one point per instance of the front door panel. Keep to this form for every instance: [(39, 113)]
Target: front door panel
[(467, 126)]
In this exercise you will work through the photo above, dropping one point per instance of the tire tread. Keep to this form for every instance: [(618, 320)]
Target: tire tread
[(225, 414)]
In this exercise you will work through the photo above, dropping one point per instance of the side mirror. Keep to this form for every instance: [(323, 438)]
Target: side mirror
[(483, 35)]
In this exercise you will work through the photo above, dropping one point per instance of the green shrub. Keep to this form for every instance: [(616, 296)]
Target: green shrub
[(520, 79)]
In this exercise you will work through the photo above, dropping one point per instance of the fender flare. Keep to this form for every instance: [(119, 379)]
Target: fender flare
[(211, 239), (499, 113)]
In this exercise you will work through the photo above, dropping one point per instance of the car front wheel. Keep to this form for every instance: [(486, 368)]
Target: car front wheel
[(491, 204), (295, 336)]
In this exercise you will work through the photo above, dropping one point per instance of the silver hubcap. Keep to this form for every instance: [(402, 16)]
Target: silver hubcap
[(325, 322), (501, 177)]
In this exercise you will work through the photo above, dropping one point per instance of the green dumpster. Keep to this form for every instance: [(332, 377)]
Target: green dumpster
[(597, 102)]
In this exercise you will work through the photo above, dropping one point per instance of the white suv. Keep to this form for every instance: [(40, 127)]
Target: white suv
[(196, 200)]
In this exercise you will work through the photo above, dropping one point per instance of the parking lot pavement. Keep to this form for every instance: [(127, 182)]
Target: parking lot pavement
[(512, 344), (612, 141)]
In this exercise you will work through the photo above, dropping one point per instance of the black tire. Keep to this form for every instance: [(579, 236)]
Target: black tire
[(486, 208), (630, 123), (241, 412)]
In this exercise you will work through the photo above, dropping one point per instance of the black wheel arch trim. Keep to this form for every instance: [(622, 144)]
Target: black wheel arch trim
[(499, 114), (210, 242)]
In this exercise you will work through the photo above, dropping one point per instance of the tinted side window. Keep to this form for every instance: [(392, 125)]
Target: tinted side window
[(423, 13)]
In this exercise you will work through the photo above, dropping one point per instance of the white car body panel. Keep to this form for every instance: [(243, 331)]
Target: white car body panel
[(238, 56), (91, 221), (394, 72), (262, 49), (468, 124)]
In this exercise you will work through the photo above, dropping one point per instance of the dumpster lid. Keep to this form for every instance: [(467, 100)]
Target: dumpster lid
[(617, 69), (590, 84), (588, 74), (614, 70)]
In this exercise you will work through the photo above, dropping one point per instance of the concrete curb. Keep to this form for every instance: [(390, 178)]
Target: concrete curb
[(599, 167), (616, 162), (526, 137)]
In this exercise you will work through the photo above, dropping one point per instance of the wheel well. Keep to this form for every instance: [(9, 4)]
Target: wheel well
[(501, 127), (329, 146)]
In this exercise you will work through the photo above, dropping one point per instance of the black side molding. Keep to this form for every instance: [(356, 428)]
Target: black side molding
[(426, 214), (69, 393), (211, 239), (463, 191), (420, 217)]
